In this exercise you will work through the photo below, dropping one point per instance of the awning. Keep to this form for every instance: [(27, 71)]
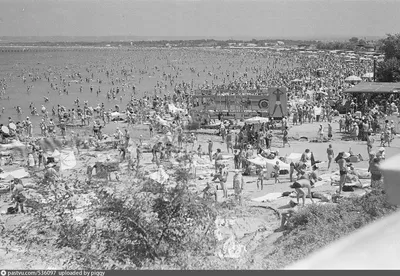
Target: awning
[(375, 87)]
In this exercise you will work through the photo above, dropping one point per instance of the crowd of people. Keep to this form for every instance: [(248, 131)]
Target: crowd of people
[(108, 90)]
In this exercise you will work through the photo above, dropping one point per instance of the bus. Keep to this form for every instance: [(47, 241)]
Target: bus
[(211, 104)]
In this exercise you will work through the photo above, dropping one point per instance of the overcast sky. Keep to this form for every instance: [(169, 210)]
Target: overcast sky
[(210, 18)]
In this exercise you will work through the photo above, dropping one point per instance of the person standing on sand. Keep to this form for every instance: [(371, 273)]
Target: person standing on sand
[(151, 130), (141, 140), (229, 142), (238, 185), (330, 153), (329, 131), (269, 139), (285, 136), (321, 133), (236, 158), (261, 175), (276, 172), (222, 132), (342, 169), (29, 127), (210, 149), (127, 138), (291, 171), (370, 141), (376, 175), (222, 176)]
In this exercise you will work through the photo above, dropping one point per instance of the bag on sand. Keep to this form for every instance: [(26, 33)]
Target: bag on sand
[(348, 189), (11, 210)]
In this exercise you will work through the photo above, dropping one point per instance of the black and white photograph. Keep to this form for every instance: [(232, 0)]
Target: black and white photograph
[(199, 135)]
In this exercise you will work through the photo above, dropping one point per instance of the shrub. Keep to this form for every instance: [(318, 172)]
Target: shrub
[(130, 227), (315, 226)]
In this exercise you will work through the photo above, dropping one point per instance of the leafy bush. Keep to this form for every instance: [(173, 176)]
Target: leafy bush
[(315, 226), (130, 227)]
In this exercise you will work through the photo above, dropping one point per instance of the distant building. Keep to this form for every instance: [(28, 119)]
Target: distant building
[(251, 45)]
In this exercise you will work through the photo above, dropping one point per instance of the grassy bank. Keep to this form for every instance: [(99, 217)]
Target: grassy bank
[(154, 228)]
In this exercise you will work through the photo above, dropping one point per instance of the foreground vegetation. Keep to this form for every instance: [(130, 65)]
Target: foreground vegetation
[(151, 226)]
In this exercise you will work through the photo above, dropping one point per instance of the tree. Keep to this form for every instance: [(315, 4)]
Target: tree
[(361, 43), (389, 69), (353, 40), (391, 46)]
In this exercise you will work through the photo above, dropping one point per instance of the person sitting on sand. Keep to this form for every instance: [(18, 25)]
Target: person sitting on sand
[(17, 195), (286, 215), (299, 186), (209, 193)]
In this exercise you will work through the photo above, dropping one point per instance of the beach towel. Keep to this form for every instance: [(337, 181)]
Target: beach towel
[(160, 176), (267, 197), (67, 160), (20, 173)]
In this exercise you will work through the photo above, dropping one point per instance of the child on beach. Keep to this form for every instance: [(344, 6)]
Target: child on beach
[(260, 178), (291, 171), (285, 137), (199, 151), (276, 172)]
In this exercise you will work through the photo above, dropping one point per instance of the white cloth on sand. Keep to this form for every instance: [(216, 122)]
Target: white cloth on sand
[(268, 197)]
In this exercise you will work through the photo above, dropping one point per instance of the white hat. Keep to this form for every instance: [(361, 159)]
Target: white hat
[(237, 170), (381, 149)]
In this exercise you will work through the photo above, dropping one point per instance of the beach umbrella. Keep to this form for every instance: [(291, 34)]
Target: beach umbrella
[(5, 129), (352, 78), (297, 80), (257, 119), (12, 126), (368, 75)]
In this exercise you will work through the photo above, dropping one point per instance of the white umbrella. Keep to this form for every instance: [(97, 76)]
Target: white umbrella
[(353, 78), (12, 126), (5, 129), (257, 119), (368, 75), (296, 80)]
